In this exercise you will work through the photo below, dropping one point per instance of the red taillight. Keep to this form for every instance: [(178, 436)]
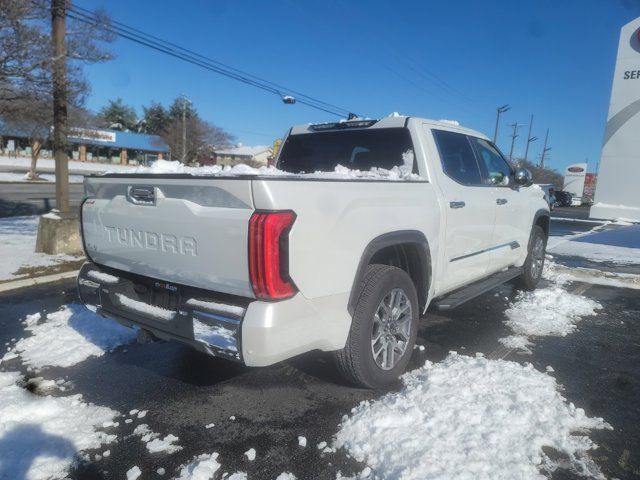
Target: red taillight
[(268, 254)]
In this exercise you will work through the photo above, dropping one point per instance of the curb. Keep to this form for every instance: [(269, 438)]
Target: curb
[(30, 282), (598, 277)]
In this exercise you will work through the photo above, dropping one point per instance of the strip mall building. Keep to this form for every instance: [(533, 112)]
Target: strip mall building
[(90, 145)]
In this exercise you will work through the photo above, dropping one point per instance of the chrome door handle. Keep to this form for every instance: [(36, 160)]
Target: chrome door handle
[(501, 201), (456, 204)]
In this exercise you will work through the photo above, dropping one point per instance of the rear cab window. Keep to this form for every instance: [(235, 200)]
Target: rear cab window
[(356, 149)]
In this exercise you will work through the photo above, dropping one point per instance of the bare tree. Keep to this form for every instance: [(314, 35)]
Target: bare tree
[(541, 175), (25, 67), (202, 137)]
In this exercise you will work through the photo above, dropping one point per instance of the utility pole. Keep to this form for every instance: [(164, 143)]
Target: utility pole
[(499, 110), (545, 149), (59, 74), (529, 139), (514, 135), (184, 129)]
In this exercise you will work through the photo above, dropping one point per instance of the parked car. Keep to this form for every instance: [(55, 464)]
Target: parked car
[(258, 269), (563, 199), (549, 194)]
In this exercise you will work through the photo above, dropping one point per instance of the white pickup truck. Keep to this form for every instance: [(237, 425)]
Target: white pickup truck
[(261, 267)]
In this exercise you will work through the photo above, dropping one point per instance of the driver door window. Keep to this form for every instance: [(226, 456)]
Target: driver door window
[(495, 170)]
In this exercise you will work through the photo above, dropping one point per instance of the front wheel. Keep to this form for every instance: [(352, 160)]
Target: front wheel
[(534, 264), (383, 330)]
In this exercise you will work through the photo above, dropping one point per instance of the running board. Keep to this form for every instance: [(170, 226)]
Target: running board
[(460, 296)]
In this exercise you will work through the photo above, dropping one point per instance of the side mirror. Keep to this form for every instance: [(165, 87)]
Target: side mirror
[(523, 177)]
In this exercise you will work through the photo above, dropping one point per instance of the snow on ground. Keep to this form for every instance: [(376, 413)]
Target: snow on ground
[(561, 274), (202, 467), (594, 251), (550, 311), (470, 417), (48, 177), (619, 245), (340, 172), (133, 473), (154, 443), (286, 476), (40, 436), (17, 245), (23, 163), (68, 337)]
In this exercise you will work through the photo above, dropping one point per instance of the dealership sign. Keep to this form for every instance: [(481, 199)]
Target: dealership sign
[(91, 134), (616, 193), (574, 177)]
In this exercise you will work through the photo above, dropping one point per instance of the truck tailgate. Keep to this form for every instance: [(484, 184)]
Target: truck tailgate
[(185, 230)]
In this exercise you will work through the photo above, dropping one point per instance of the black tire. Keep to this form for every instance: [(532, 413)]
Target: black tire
[(533, 265), (356, 360)]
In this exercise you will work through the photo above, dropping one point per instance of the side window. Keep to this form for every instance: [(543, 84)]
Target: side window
[(494, 167), (458, 160)]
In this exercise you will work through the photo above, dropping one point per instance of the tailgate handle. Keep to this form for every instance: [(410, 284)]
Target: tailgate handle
[(142, 195)]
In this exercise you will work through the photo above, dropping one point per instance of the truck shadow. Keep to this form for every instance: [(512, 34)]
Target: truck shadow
[(23, 445)]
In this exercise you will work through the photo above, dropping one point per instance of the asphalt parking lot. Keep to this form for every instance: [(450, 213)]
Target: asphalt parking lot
[(598, 366)]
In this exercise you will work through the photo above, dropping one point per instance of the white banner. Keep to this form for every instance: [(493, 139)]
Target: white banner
[(574, 177)]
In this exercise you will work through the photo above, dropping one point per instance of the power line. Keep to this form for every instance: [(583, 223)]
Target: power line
[(208, 59), (168, 48)]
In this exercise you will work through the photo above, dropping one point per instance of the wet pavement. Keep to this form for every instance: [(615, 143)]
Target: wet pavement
[(183, 390)]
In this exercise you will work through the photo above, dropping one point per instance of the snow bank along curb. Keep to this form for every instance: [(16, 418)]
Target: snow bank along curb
[(562, 274), (470, 417), (30, 282), (17, 248)]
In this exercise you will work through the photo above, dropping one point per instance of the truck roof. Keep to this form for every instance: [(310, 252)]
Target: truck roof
[(390, 121)]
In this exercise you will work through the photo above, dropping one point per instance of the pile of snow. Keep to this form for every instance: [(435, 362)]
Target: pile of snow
[(17, 247), (550, 311), (155, 444), (40, 436), (69, 336), (470, 417), (340, 173)]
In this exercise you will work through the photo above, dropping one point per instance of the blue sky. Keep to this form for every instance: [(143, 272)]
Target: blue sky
[(454, 60)]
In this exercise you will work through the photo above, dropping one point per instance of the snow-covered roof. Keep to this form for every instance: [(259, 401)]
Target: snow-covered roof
[(244, 150)]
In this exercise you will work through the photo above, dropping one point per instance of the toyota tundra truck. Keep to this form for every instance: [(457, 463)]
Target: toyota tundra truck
[(360, 228)]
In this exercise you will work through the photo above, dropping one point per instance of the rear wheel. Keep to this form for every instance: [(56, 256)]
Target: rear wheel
[(534, 264), (383, 329)]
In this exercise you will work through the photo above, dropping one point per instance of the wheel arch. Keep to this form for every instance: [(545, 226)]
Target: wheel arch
[(405, 249), (542, 219)]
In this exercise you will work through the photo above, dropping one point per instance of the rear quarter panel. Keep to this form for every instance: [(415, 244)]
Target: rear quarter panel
[(336, 220)]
